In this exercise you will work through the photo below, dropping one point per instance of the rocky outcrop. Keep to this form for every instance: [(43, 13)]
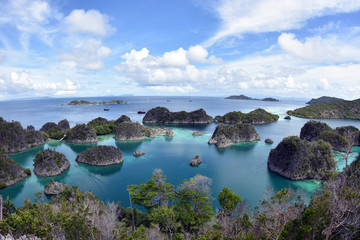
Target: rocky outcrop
[(33, 138), (52, 130), (298, 159), (130, 131), (50, 163), (138, 153), (257, 116), (12, 137), (64, 125), (102, 126), (287, 118), (101, 156), (158, 131), (10, 171), (122, 119), (163, 115), (195, 161), (196, 133), (225, 135), (82, 133), (54, 188), (269, 141), (341, 139)]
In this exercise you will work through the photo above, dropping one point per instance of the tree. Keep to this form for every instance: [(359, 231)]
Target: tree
[(228, 200), (193, 202), (166, 218), (154, 193)]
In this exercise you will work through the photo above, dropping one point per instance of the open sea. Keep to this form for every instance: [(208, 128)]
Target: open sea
[(241, 167)]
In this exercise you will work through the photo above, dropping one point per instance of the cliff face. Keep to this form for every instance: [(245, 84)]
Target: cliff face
[(54, 188), (257, 116), (122, 119), (163, 115), (82, 133), (10, 171), (53, 130), (12, 137), (298, 159), (130, 131), (64, 125), (341, 139), (101, 156), (50, 163), (224, 135), (33, 138)]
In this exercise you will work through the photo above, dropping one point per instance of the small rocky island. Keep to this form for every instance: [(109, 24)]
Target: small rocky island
[(195, 161), (101, 156), (298, 159), (163, 115), (49, 163), (82, 133), (257, 116), (329, 110), (10, 171), (54, 188), (138, 153), (83, 102), (243, 97), (225, 135)]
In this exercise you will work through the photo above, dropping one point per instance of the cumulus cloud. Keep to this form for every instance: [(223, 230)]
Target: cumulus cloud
[(22, 82), (318, 49), (88, 55), (257, 16), (91, 22)]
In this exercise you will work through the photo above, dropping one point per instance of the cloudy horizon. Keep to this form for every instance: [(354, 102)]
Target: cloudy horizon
[(180, 48)]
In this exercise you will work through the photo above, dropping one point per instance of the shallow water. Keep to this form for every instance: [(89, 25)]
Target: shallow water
[(241, 167)]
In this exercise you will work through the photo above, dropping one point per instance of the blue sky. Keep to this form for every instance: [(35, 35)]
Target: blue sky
[(289, 48)]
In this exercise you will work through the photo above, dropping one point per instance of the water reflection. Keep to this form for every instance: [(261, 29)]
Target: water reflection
[(102, 170)]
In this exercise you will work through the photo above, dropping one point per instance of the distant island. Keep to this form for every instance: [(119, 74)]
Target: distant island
[(83, 102), (331, 110), (324, 99), (243, 97)]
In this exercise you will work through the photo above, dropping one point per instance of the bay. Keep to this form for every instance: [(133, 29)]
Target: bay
[(241, 167)]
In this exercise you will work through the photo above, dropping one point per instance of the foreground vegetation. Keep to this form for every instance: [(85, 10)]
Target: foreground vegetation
[(185, 212)]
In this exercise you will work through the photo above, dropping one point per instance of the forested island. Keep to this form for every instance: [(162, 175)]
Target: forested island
[(243, 97), (324, 99), (330, 110), (83, 102)]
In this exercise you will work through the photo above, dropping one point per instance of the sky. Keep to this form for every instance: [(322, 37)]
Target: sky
[(288, 48)]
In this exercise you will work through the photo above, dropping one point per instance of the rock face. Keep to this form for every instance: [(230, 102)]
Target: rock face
[(138, 153), (54, 188), (10, 171), (257, 116), (64, 125), (12, 137), (122, 119), (341, 139), (33, 138), (195, 161), (158, 131), (298, 159), (101, 156), (269, 141), (130, 131), (163, 115), (225, 135), (50, 163), (53, 130), (82, 133)]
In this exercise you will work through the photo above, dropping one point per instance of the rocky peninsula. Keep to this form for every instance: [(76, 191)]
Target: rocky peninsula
[(54, 188), (324, 99), (10, 171), (257, 116), (330, 110), (48, 163), (82, 133), (163, 115), (101, 156), (298, 159), (225, 135)]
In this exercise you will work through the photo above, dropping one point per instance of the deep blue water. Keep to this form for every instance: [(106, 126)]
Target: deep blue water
[(241, 167)]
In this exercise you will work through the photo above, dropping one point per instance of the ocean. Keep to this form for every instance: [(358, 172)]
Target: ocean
[(241, 167)]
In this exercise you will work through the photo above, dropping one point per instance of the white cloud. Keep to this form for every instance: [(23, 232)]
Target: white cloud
[(257, 16), (88, 55), (173, 89), (92, 22), (318, 49)]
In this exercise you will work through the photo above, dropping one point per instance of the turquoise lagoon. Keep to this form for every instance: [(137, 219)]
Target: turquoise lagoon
[(241, 167)]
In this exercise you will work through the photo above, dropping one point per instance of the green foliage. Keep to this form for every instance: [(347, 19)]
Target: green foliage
[(154, 193), (165, 216), (228, 200), (27, 171), (102, 126), (255, 117)]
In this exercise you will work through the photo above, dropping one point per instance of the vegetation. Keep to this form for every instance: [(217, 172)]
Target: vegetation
[(83, 102), (52, 130), (12, 137), (258, 116), (102, 126), (243, 97), (10, 171), (324, 99), (163, 115), (48, 162), (82, 133), (101, 155), (339, 109)]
